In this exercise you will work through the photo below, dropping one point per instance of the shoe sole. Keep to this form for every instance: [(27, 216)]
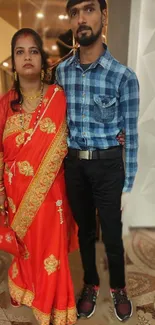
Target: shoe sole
[(123, 320), (82, 316)]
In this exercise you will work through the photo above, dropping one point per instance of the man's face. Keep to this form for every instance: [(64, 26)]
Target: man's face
[(86, 21)]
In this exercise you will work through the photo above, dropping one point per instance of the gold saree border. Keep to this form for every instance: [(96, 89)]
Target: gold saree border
[(63, 317), (1, 160), (58, 317), (20, 295), (13, 124), (41, 183)]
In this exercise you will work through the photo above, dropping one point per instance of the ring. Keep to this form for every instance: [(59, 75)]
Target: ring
[(1, 207)]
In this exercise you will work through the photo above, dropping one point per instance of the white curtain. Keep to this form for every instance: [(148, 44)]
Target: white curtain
[(140, 207)]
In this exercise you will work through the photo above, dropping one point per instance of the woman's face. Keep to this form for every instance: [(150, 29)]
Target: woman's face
[(27, 57)]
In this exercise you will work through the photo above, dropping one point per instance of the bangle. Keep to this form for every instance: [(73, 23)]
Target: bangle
[(2, 189)]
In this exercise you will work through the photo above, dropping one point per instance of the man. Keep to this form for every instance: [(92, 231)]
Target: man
[(102, 98)]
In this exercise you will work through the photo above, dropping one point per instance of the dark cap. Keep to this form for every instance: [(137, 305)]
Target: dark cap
[(71, 3)]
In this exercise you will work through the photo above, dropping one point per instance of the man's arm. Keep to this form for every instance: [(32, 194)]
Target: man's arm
[(57, 76), (129, 103)]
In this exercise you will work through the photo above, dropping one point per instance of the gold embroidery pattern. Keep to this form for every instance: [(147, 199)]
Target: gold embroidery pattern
[(26, 297), (8, 172), (45, 100), (6, 169), (46, 125), (60, 88), (1, 160), (60, 210), (51, 264), (25, 168), (20, 295), (41, 183), (13, 124), (42, 318), (63, 317), (11, 204), (14, 271), (20, 138), (26, 254)]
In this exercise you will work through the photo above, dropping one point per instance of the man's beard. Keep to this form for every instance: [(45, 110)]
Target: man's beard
[(85, 40)]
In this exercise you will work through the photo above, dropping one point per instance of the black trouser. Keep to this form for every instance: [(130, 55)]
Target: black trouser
[(97, 184)]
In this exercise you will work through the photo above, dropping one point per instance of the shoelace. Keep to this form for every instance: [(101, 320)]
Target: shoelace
[(119, 297), (88, 293)]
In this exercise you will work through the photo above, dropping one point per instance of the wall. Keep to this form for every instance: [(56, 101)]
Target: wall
[(6, 34), (118, 28), (140, 209)]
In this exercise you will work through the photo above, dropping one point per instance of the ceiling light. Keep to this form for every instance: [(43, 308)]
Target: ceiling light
[(40, 15), (5, 64), (62, 17), (54, 47)]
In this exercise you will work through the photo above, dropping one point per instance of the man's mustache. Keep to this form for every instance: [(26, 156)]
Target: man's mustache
[(83, 28)]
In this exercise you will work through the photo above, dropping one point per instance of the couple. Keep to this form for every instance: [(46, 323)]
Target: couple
[(102, 100)]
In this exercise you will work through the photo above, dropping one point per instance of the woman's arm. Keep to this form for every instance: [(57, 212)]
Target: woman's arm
[(4, 105), (2, 188)]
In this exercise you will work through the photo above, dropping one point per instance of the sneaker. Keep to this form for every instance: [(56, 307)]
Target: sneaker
[(14, 303), (122, 305), (87, 302)]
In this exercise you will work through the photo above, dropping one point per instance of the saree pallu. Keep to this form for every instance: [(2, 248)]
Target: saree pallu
[(39, 211)]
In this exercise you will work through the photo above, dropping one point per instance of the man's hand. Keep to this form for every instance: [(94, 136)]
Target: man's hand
[(121, 138), (124, 199)]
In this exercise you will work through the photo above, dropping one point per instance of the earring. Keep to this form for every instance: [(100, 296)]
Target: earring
[(15, 76), (42, 74), (49, 74)]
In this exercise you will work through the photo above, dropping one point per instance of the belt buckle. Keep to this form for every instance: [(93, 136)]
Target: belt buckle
[(85, 154)]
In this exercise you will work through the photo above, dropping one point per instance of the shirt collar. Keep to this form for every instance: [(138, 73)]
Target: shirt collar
[(104, 60)]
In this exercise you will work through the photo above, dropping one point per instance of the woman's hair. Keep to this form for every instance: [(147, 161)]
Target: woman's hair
[(44, 56), (71, 3)]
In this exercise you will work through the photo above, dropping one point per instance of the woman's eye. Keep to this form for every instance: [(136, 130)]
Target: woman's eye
[(19, 52), (34, 51)]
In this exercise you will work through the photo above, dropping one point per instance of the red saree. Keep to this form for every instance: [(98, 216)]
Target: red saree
[(38, 209)]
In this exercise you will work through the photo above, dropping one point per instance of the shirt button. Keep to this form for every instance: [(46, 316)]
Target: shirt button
[(83, 75)]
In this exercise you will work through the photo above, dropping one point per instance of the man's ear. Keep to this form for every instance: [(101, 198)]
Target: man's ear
[(104, 17)]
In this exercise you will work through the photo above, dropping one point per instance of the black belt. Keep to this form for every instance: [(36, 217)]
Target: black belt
[(110, 153)]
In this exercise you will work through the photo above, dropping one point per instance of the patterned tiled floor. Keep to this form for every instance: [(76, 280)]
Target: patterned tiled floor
[(140, 267)]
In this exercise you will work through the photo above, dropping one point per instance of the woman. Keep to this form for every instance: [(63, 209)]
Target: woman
[(32, 148)]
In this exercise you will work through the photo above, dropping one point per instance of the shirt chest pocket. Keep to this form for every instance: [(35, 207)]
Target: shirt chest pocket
[(104, 108)]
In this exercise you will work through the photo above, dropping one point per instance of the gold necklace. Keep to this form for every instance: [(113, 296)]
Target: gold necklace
[(29, 108), (32, 96), (39, 110)]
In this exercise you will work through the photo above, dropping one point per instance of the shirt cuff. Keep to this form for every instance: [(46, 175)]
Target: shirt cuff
[(128, 183)]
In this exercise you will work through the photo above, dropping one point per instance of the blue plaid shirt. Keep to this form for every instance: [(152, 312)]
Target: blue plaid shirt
[(102, 101)]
